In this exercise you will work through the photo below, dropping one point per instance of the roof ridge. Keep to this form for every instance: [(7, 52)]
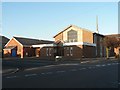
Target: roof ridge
[(72, 25), (30, 38), (23, 37)]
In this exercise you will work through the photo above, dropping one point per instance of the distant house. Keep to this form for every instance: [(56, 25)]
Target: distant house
[(3, 41), (22, 47)]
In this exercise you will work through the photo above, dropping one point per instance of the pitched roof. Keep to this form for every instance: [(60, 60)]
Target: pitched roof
[(29, 41), (113, 35), (74, 27)]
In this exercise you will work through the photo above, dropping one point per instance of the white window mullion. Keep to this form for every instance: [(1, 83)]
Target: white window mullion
[(47, 52)]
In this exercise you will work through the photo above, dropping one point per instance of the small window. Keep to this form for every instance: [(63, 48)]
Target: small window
[(47, 51), (72, 36), (50, 49), (68, 51), (67, 54), (71, 51)]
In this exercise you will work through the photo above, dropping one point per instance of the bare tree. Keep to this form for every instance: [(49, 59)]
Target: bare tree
[(110, 42)]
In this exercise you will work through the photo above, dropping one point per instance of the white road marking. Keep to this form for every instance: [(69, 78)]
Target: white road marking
[(28, 75), (42, 73), (60, 71), (98, 65), (90, 67), (103, 65), (108, 64), (31, 69), (73, 70), (115, 63), (85, 61), (11, 77)]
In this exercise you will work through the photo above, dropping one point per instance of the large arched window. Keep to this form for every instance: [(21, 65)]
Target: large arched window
[(72, 36)]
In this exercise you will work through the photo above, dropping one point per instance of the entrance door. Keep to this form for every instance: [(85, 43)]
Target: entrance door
[(14, 53)]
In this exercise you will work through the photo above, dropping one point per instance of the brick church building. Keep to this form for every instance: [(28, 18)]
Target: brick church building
[(71, 43)]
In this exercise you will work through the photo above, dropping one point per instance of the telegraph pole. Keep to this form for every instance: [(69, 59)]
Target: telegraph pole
[(97, 24)]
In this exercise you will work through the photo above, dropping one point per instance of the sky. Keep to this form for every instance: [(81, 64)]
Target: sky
[(43, 20)]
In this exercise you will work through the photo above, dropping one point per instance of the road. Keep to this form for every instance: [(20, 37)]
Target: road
[(101, 74)]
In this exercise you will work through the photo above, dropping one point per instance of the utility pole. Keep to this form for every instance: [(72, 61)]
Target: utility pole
[(97, 31)]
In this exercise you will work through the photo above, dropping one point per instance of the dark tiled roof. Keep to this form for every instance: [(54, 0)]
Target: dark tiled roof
[(113, 35), (99, 34), (29, 41), (3, 40)]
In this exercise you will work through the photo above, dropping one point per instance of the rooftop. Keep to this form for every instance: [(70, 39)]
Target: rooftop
[(30, 41)]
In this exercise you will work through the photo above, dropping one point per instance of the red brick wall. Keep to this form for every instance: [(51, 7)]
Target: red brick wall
[(28, 52), (88, 51), (76, 52), (59, 37), (15, 43), (47, 54)]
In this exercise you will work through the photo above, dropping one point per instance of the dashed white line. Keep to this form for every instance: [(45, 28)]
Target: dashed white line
[(108, 64), (43, 73), (90, 67), (85, 61), (28, 75), (11, 77), (98, 65), (31, 69), (103, 65)]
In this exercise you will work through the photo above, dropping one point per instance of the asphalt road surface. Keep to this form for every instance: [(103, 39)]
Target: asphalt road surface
[(66, 75)]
